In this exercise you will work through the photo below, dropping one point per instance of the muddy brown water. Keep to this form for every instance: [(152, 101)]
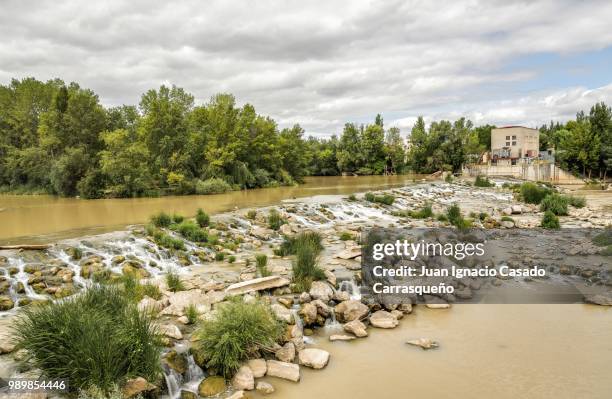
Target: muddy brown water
[(44, 218), (486, 351)]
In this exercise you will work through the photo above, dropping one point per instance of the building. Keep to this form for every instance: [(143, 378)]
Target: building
[(513, 143)]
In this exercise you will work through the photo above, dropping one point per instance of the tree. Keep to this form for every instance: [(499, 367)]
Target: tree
[(601, 125), (294, 152), (373, 150), (349, 149), (579, 146), (395, 150), (66, 172)]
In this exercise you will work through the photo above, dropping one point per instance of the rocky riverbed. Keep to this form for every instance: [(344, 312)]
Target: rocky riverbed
[(334, 306)]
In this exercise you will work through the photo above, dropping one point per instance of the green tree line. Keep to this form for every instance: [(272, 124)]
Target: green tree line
[(58, 138)]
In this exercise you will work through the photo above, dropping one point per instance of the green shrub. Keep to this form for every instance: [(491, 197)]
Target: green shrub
[(352, 197), (231, 259), (603, 239), (346, 236), (219, 256), (192, 231), (202, 218), (386, 199), (423, 213), (212, 186), (251, 214), (174, 282), (555, 203), (237, 333), (448, 178), (550, 221), (576, 202), (192, 313), (533, 193), (161, 219), (261, 263), (482, 216), (507, 219), (134, 290), (453, 213), (483, 182), (95, 339), (442, 218), (176, 218), (275, 221), (290, 244), (607, 251), (305, 268)]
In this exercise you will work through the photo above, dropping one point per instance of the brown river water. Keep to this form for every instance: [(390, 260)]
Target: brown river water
[(44, 218)]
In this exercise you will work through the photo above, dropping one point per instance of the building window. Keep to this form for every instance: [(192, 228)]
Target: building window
[(514, 143), (513, 137), (507, 137), (507, 144)]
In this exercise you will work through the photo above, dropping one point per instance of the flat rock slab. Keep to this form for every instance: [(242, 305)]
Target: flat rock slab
[(257, 284), (312, 357), (284, 370)]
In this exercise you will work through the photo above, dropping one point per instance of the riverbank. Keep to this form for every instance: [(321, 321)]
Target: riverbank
[(472, 338)]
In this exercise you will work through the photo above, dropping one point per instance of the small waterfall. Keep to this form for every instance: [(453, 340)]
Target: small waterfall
[(193, 376), (173, 383), (352, 288)]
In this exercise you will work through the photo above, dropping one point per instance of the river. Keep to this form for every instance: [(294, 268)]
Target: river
[(44, 218)]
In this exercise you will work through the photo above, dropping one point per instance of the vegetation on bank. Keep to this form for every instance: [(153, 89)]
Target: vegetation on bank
[(238, 332), (58, 138), (95, 339)]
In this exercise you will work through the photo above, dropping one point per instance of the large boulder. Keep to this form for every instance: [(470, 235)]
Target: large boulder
[(383, 319), (6, 303), (137, 386), (265, 387), (312, 357), (211, 386), (178, 301), (286, 353), (244, 379), (287, 371), (257, 284), (262, 233), (322, 308), (308, 313), (351, 310), (357, 328), (321, 290), (282, 313), (258, 367), (171, 331)]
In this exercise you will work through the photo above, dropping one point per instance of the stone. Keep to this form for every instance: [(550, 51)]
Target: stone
[(397, 314), (257, 284), (517, 209), (349, 253), (244, 379), (212, 386), (304, 297), (405, 308), (176, 361), (507, 224), (286, 353), (351, 310), (341, 296), (188, 394), (171, 331), (178, 301), (262, 233), (507, 211), (424, 343), (356, 328), (282, 313), (313, 357), (6, 303), (258, 367), (602, 300), (287, 371), (149, 304), (322, 308), (383, 319), (331, 277), (321, 290), (286, 302), (308, 312), (6, 346), (286, 230), (438, 305), (341, 337), (264, 387), (137, 386)]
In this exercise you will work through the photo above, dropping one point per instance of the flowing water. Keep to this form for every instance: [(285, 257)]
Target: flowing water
[(486, 351), (43, 218)]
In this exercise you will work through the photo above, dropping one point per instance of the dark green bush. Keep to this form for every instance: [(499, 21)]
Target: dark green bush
[(134, 290), (533, 193), (261, 263), (219, 256), (192, 313), (352, 197), (370, 197), (202, 218), (231, 259), (176, 218), (555, 203), (290, 244), (576, 202), (212, 186), (346, 236), (454, 216), (162, 219), (423, 213), (483, 182), (275, 221), (550, 221), (251, 214), (237, 333), (192, 231), (305, 267), (95, 339), (174, 282), (386, 199), (603, 239)]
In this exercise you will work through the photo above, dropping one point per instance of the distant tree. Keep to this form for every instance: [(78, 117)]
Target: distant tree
[(395, 150)]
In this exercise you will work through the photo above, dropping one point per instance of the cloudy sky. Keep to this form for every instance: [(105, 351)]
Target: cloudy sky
[(323, 63)]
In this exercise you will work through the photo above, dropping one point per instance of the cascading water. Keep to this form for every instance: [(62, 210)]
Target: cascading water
[(173, 383), (351, 287)]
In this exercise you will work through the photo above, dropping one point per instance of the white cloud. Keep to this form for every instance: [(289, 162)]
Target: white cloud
[(319, 63)]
